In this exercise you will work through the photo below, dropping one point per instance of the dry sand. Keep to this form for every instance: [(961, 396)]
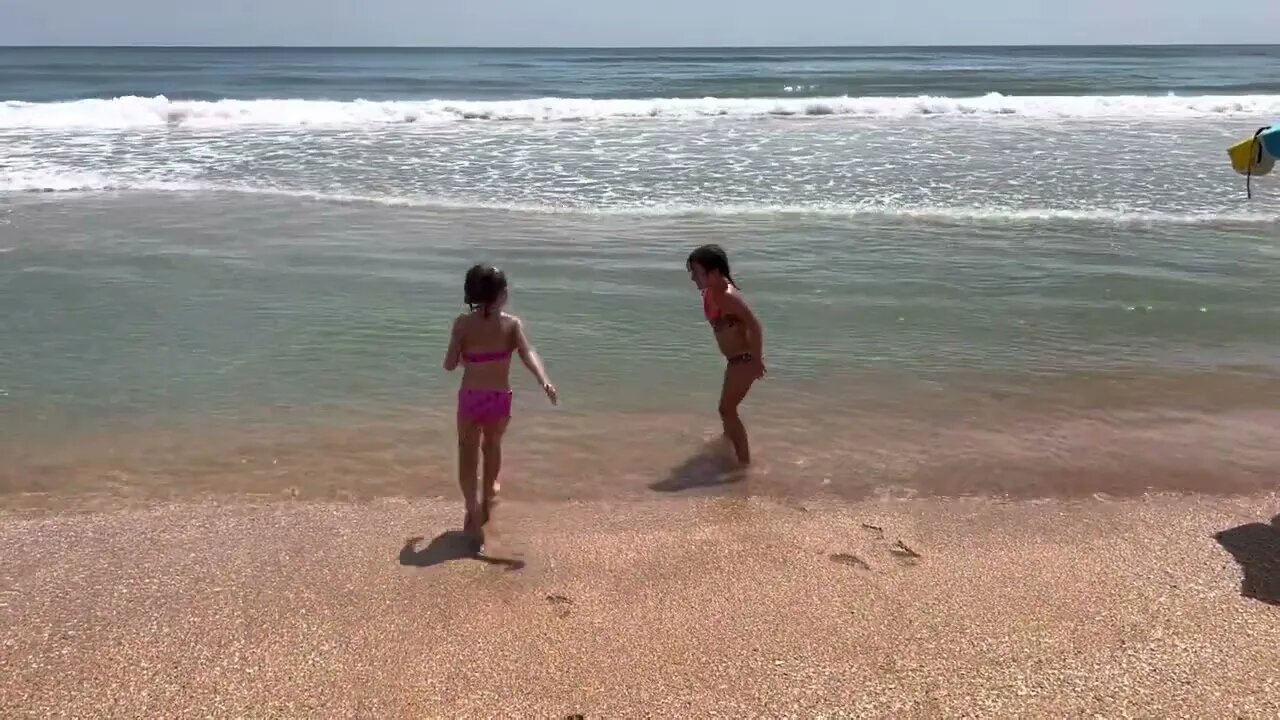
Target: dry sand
[(724, 607)]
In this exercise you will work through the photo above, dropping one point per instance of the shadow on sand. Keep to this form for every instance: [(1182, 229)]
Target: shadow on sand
[(710, 466), (1256, 546), (447, 547)]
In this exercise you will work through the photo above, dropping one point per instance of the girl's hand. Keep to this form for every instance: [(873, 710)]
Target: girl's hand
[(550, 390), (758, 369)]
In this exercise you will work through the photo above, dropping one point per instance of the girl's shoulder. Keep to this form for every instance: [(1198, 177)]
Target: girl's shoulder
[(733, 295), (510, 322)]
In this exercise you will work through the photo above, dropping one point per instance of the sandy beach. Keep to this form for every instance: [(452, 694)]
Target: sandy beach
[(1016, 456), (725, 606)]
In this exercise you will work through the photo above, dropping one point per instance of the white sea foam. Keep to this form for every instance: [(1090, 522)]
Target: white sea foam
[(142, 112), (74, 182), (57, 180)]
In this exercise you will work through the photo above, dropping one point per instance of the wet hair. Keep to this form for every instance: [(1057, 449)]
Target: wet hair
[(711, 258), (483, 286)]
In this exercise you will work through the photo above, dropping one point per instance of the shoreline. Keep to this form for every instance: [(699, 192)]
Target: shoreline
[(1219, 439), (691, 606)]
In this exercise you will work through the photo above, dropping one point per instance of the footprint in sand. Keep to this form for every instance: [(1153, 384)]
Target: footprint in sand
[(904, 553), (850, 560), (901, 552), (560, 605)]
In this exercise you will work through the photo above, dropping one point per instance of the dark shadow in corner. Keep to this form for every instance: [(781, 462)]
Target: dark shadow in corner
[(1256, 547), (447, 547), (710, 466)]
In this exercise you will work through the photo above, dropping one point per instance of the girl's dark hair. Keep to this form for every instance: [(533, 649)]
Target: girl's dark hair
[(483, 286), (709, 258)]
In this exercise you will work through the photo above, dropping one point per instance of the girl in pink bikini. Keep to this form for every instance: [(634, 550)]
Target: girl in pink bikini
[(483, 341), (739, 335)]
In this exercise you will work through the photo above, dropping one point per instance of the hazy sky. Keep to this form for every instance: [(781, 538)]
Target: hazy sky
[(634, 22)]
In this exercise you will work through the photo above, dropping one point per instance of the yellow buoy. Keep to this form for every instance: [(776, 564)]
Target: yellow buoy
[(1248, 157)]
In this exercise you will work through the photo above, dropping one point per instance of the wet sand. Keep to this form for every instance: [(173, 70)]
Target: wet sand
[(716, 606), (1071, 438)]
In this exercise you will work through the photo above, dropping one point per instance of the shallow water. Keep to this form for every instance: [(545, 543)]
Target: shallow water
[(1027, 294)]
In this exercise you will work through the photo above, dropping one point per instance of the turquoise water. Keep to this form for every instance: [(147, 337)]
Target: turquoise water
[(1001, 267), (50, 74)]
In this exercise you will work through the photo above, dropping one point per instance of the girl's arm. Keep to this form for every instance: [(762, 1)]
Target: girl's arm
[(453, 355), (533, 361), (733, 302)]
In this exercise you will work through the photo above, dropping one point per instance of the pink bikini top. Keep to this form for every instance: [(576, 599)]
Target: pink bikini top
[(484, 357), (718, 318)]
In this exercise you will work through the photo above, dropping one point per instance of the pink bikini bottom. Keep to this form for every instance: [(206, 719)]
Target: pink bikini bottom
[(484, 407)]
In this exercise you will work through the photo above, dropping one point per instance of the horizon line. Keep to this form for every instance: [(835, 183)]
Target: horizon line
[(203, 46)]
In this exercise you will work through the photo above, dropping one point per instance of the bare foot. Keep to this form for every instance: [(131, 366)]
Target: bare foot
[(731, 453)]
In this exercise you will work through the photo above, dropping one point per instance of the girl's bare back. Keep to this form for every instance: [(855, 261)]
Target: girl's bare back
[(486, 345)]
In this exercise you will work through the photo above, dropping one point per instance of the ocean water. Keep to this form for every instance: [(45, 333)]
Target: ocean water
[(1013, 271)]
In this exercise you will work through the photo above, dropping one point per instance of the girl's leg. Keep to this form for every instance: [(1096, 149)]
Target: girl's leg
[(738, 379), (468, 459), (491, 448)]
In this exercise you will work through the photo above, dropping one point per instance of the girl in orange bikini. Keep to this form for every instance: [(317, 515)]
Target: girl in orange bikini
[(483, 341), (738, 333)]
